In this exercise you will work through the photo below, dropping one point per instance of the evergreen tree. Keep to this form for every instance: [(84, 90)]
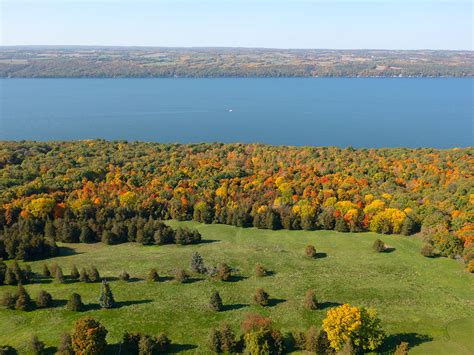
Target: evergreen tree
[(65, 345), (8, 300), (153, 276), (197, 264), (181, 276), (84, 276), (75, 303), (216, 302), (49, 230), (87, 234), (310, 301), (75, 273), (341, 225), (23, 300), (124, 276), (44, 300), (379, 246), (10, 277), (37, 347), (94, 275), (59, 277), (46, 273), (3, 270), (106, 299), (261, 298), (310, 251), (146, 345)]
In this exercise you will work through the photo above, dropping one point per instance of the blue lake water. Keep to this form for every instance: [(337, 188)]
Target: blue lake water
[(363, 112)]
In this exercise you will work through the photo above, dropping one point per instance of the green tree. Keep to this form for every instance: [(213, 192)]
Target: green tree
[(75, 303), (23, 299), (215, 302), (106, 299)]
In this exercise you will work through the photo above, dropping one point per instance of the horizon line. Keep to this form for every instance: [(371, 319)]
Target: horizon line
[(222, 47)]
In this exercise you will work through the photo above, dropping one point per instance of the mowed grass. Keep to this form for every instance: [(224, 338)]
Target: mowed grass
[(428, 302)]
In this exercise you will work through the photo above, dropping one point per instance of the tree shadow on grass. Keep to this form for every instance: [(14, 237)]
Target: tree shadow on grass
[(130, 303), (165, 278), (320, 256), (58, 303), (275, 302), (237, 278), (324, 305), (389, 250), (50, 350), (177, 348), (67, 251), (208, 241), (413, 339), (233, 307), (42, 280)]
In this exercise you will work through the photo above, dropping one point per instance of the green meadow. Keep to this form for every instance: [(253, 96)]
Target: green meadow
[(425, 301)]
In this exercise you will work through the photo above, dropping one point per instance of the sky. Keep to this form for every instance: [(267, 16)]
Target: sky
[(337, 24)]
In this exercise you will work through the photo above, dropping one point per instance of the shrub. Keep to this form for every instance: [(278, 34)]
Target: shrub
[(75, 303), (260, 337), (181, 276), (299, 340), (224, 272), (470, 266), (94, 275), (23, 300), (44, 300), (8, 300), (146, 345), (53, 268), (162, 343), (197, 264), (260, 271), (222, 340), (153, 276), (37, 347), (88, 337), (124, 276), (379, 246), (65, 345), (427, 251), (310, 301), (130, 342), (311, 340), (261, 298), (7, 350), (106, 299), (74, 273), (310, 251), (402, 348), (10, 277), (216, 302)]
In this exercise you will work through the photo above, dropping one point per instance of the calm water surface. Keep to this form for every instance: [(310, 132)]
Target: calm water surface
[(362, 112)]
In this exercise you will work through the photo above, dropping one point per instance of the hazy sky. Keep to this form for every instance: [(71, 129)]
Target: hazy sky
[(391, 24)]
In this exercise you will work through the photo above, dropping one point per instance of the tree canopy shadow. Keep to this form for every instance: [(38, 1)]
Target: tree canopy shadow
[(413, 339), (275, 301), (209, 241), (58, 303), (389, 250), (324, 305), (165, 278), (233, 307), (130, 303), (177, 348), (67, 251), (237, 278), (320, 255), (42, 280)]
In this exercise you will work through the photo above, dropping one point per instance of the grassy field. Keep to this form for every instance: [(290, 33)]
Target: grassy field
[(428, 302)]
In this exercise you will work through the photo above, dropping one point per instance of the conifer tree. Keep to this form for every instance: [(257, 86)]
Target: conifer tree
[(153, 276), (197, 264), (84, 276), (23, 300), (94, 275), (44, 300), (65, 345), (10, 277), (106, 299), (75, 273), (216, 302), (75, 303), (46, 273), (37, 347), (59, 276)]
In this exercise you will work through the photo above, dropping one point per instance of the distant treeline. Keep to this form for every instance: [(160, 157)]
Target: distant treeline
[(43, 62), (114, 191)]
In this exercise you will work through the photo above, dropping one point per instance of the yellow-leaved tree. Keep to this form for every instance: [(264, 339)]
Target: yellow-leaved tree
[(360, 326)]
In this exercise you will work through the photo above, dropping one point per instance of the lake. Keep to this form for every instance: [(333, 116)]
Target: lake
[(358, 112)]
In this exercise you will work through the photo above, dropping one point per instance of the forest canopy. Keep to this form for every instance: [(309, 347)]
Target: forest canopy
[(106, 185)]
